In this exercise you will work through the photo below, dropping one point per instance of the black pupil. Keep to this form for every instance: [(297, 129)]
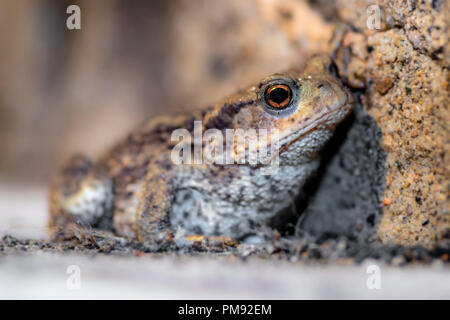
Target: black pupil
[(278, 95)]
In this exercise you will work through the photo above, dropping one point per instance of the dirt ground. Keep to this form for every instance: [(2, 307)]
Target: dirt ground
[(307, 250)]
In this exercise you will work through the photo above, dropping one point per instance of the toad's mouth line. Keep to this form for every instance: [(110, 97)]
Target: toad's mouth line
[(312, 126)]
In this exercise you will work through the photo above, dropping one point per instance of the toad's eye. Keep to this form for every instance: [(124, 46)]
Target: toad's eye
[(278, 96)]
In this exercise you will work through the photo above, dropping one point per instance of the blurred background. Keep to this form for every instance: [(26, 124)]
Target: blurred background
[(64, 91)]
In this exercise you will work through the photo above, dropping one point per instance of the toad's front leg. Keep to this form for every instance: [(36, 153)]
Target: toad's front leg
[(155, 201)]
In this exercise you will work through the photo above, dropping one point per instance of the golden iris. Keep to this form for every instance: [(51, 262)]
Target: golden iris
[(278, 96)]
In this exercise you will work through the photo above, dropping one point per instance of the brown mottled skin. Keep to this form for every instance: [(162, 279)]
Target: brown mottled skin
[(137, 190)]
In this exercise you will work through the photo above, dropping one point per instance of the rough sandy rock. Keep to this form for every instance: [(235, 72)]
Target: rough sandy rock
[(403, 67)]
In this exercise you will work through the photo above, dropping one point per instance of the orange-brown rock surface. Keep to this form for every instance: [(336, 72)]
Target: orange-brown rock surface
[(403, 67)]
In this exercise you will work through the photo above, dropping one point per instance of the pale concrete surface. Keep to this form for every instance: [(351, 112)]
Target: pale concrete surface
[(23, 211), (102, 277)]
